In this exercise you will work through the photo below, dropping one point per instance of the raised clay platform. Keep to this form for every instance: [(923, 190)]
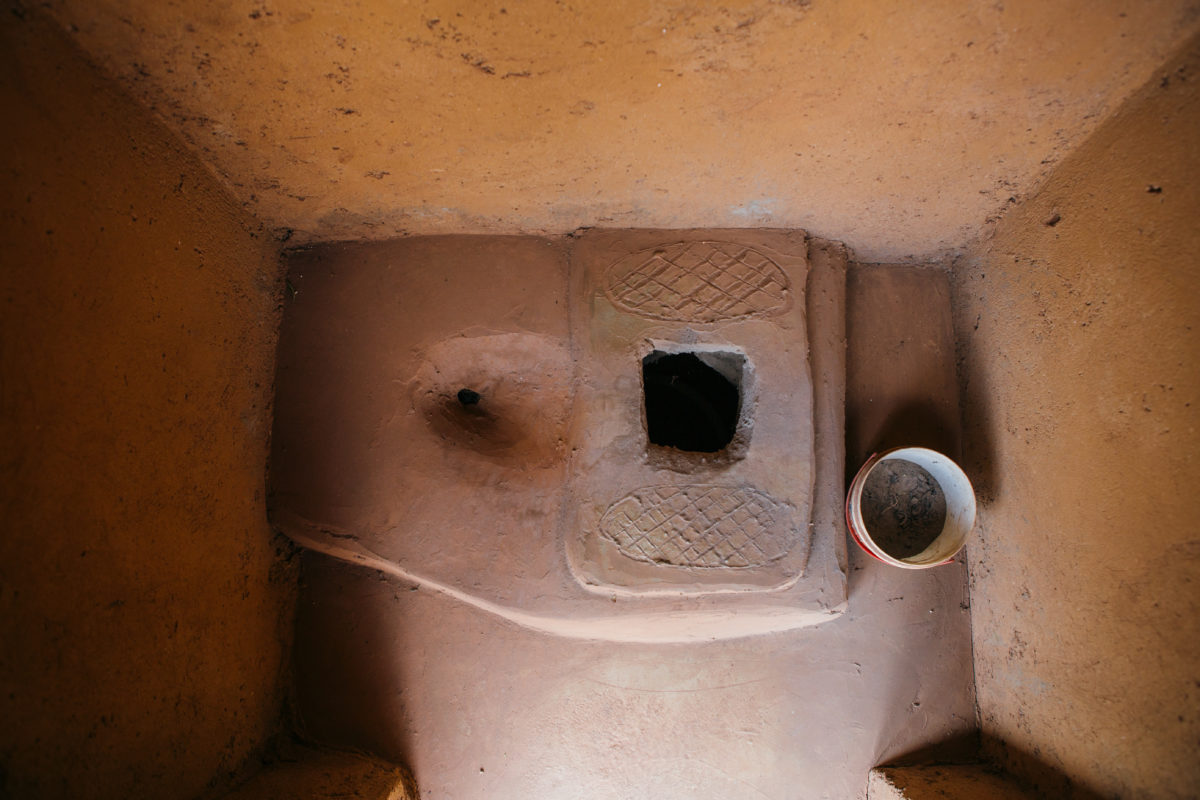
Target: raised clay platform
[(467, 415), (483, 709)]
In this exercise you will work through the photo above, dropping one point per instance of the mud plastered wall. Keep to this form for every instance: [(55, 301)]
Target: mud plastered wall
[(140, 622), (896, 127), (1080, 328)]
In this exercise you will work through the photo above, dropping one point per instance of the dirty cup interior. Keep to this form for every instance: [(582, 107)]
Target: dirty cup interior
[(911, 507)]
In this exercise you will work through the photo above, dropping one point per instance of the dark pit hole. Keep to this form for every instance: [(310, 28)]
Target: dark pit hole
[(692, 400), (468, 397)]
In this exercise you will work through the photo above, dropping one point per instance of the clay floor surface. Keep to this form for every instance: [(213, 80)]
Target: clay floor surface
[(480, 708)]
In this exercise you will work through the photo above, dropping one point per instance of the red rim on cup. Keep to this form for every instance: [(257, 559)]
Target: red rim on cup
[(960, 508)]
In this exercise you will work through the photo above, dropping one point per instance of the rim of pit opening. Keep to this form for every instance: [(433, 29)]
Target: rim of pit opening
[(697, 405)]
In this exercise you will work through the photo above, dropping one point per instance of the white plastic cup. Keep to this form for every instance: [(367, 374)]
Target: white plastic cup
[(960, 508)]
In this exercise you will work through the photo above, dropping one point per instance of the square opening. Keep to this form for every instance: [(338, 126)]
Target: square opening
[(693, 400)]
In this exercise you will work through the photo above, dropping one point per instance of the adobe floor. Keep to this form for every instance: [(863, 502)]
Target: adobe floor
[(482, 709)]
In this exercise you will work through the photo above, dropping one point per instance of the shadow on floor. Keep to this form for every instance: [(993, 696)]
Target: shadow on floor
[(901, 381), (1026, 771), (1043, 778)]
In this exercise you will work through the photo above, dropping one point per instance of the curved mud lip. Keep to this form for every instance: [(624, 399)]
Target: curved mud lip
[(622, 625)]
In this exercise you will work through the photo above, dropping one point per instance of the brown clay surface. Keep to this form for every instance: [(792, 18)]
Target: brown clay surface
[(1080, 319), (481, 708), (896, 127), (142, 612), (371, 440)]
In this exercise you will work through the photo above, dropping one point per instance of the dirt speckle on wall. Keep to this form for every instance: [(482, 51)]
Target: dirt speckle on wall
[(1080, 346), (896, 127), (142, 616)]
